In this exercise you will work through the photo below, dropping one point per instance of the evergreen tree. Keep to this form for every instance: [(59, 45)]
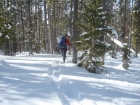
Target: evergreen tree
[(92, 43), (125, 57), (136, 26), (123, 25), (7, 31)]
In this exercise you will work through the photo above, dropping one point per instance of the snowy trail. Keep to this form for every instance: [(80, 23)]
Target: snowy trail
[(59, 82), (44, 80), (18, 84)]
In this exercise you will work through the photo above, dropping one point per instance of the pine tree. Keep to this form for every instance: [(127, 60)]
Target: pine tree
[(123, 28), (136, 26), (7, 31), (125, 57), (91, 43)]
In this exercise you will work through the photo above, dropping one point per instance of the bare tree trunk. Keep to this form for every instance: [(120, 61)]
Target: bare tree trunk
[(29, 26), (23, 36), (71, 17), (39, 28), (54, 28), (46, 35), (70, 48), (49, 30), (130, 34), (75, 32)]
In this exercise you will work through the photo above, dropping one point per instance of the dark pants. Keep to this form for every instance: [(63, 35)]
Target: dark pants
[(63, 52)]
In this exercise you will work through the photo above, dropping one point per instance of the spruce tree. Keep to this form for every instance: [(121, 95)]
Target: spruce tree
[(7, 31), (125, 57), (136, 26), (91, 42)]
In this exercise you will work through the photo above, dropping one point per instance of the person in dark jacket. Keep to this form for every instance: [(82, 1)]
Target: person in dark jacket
[(64, 43)]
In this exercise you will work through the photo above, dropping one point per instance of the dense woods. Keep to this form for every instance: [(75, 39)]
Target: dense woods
[(94, 26)]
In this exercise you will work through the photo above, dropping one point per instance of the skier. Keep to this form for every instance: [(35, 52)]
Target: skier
[(64, 42)]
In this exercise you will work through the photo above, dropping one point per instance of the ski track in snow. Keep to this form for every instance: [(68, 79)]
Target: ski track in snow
[(67, 83), (55, 76), (65, 96)]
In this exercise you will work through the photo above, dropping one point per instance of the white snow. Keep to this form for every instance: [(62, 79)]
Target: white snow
[(7, 37), (119, 43), (9, 26), (103, 17), (43, 79), (100, 8), (114, 32), (0, 34)]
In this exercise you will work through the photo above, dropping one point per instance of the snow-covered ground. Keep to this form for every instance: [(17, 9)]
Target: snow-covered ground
[(43, 79)]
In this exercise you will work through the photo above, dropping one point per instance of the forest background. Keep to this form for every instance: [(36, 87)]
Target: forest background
[(94, 26)]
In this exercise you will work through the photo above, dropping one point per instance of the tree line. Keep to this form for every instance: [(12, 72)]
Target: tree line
[(35, 25)]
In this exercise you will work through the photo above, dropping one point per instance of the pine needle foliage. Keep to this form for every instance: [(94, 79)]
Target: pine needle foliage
[(7, 32), (136, 26), (91, 42), (125, 57)]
